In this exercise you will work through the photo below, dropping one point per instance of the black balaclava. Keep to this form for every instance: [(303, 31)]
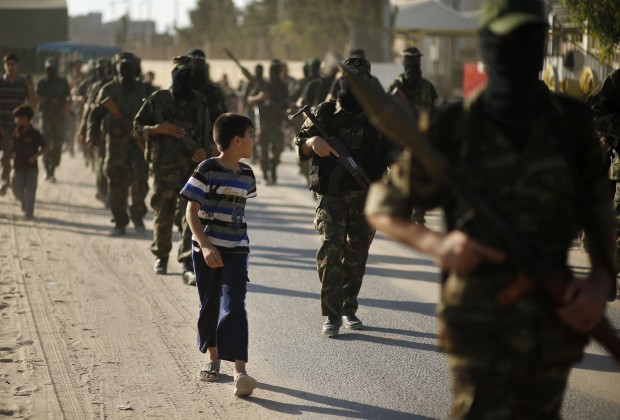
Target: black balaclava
[(346, 98), (315, 68), (200, 73), (513, 63), (275, 68), (51, 71), (126, 73), (413, 69), (258, 71), (182, 83)]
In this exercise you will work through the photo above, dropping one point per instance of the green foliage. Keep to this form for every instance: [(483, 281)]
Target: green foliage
[(602, 18), (288, 29)]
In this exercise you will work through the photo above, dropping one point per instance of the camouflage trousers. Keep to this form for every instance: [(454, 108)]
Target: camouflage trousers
[(165, 203), (506, 363), (54, 135), (270, 147), (341, 260), (617, 230), (126, 169)]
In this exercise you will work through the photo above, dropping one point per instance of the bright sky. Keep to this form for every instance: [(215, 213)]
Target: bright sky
[(163, 12)]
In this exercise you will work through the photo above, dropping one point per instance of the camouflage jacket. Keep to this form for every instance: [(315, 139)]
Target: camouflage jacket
[(193, 115), (215, 99), (117, 128), (421, 95), (55, 92), (525, 172), (371, 150)]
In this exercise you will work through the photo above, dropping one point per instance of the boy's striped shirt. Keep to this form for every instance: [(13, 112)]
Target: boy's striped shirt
[(222, 195)]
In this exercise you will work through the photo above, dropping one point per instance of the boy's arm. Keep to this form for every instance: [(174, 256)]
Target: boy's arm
[(211, 254)]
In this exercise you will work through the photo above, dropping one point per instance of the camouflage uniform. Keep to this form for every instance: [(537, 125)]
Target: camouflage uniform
[(345, 234), (269, 128), (124, 165), (171, 160), (605, 104), (55, 91), (96, 156), (506, 362), (421, 96)]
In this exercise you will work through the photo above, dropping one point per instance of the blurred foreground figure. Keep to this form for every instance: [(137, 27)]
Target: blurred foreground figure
[(533, 158), (605, 104)]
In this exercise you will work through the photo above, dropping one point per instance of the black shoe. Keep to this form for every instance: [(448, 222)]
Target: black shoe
[(189, 277), (332, 325), (351, 322), (118, 231), (3, 190), (161, 265), (138, 225)]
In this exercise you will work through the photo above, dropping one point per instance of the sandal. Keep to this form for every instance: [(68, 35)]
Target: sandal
[(210, 372), (244, 385)]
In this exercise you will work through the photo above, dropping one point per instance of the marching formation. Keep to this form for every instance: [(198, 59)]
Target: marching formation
[(515, 167)]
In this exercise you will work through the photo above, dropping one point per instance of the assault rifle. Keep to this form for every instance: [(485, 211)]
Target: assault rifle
[(397, 122), (111, 106), (245, 71), (345, 159)]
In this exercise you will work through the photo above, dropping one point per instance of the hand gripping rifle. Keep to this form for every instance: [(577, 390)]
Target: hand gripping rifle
[(345, 159), (397, 123), (245, 71)]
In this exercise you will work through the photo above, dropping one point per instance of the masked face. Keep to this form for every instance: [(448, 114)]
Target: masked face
[(51, 71), (200, 75), (274, 72), (182, 83), (412, 65), (126, 73), (517, 57), (346, 98)]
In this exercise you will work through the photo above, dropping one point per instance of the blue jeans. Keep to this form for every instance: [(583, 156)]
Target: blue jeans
[(25, 188), (223, 320)]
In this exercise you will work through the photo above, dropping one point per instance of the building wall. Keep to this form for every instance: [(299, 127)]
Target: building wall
[(21, 30)]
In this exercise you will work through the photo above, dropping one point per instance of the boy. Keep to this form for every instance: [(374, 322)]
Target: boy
[(28, 145), (216, 194)]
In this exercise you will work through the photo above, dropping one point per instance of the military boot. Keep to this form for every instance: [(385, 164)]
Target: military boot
[(118, 230), (161, 265), (273, 176)]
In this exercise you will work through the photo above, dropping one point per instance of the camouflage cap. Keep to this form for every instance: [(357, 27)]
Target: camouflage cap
[(51, 62), (182, 62), (504, 16), (357, 65), (197, 54), (412, 52)]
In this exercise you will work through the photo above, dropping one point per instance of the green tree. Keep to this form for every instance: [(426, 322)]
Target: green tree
[(212, 23), (602, 20)]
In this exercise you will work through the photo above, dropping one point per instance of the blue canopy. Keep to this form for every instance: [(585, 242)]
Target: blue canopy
[(85, 50)]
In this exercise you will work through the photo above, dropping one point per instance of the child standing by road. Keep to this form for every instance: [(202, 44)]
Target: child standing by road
[(28, 145), (217, 192)]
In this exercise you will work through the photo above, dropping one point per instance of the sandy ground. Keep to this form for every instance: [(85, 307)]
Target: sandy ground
[(88, 330)]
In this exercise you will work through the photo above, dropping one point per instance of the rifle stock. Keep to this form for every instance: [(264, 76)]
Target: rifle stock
[(397, 122), (344, 156)]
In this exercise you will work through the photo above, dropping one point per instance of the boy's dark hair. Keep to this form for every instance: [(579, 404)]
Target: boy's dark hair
[(10, 57), (229, 125), (23, 111)]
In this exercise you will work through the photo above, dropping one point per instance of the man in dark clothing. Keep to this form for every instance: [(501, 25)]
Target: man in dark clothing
[(203, 84), (271, 101), (53, 96), (340, 221)]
